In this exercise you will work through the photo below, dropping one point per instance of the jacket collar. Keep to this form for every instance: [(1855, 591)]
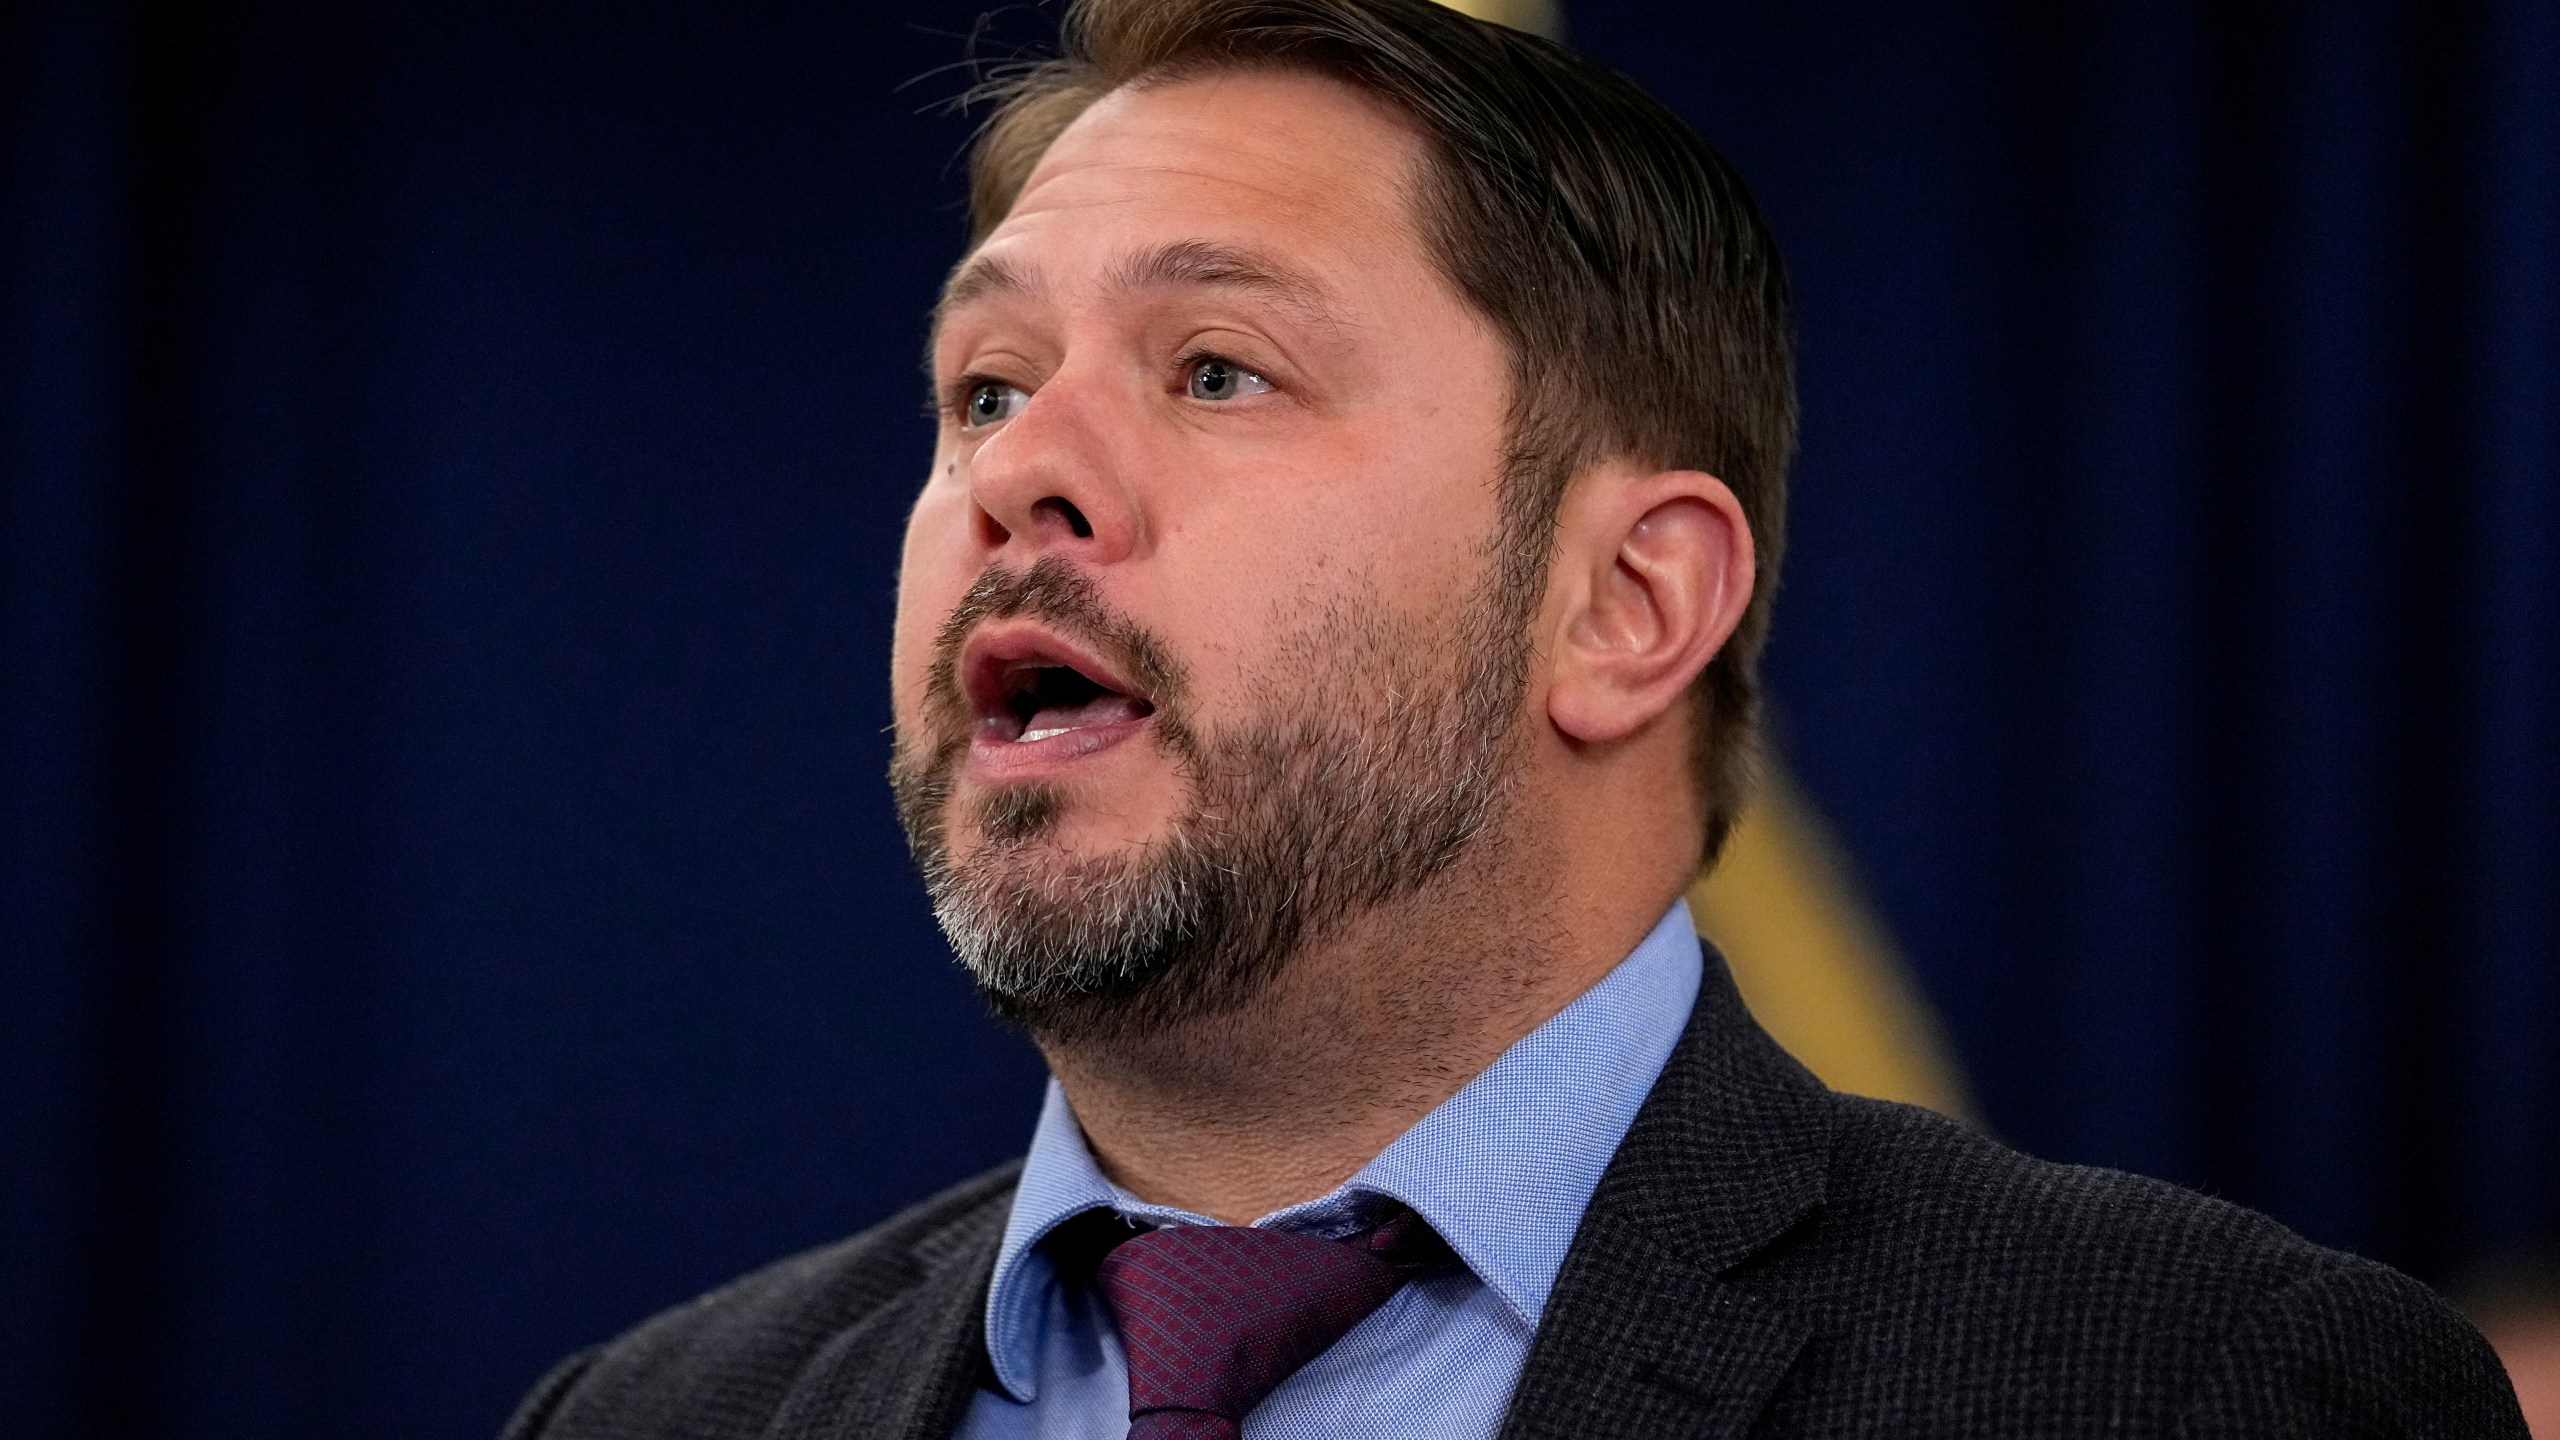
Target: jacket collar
[(907, 1370), (1644, 1334)]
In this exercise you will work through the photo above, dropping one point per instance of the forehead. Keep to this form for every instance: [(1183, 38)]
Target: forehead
[(1304, 169)]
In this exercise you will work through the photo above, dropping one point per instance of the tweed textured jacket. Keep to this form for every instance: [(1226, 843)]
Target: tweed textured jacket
[(1763, 1257)]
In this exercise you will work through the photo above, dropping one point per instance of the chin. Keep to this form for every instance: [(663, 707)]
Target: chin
[(1066, 816)]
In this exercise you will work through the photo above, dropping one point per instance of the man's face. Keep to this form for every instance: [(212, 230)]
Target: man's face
[(1201, 582)]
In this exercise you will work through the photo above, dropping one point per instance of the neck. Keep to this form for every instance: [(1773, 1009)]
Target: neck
[(1362, 1033)]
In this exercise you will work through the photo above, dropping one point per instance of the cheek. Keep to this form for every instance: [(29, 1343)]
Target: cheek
[(1269, 623), (935, 569), (1407, 521)]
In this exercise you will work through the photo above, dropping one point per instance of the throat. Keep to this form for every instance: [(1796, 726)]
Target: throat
[(1246, 1112)]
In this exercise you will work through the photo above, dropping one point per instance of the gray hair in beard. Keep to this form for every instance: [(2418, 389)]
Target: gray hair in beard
[(1383, 762)]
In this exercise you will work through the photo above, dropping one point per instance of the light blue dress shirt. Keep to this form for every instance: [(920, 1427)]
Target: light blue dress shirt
[(1502, 1170)]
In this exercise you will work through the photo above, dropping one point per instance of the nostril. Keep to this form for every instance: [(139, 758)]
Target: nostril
[(1066, 510)]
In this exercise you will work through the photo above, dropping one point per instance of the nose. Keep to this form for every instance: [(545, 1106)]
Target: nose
[(1046, 483)]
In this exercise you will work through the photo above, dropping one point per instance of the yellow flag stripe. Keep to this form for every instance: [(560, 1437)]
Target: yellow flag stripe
[(1813, 962)]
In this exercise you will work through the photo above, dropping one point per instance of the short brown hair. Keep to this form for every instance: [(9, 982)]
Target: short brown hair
[(1640, 291)]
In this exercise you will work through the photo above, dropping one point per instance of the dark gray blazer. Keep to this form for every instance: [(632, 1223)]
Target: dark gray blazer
[(1763, 1257)]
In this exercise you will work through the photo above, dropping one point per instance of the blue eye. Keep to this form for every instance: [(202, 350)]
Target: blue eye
[(1216, 379), (990, 401)]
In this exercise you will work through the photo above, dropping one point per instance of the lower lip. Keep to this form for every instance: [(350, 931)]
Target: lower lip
[(990, 755)]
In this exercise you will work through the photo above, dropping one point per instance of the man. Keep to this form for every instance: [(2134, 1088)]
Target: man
[(1325, 654)]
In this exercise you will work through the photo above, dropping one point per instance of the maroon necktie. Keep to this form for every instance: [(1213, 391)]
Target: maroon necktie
[(1214, 1317)]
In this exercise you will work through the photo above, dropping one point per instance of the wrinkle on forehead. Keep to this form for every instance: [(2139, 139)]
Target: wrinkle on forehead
[(1180, 264)]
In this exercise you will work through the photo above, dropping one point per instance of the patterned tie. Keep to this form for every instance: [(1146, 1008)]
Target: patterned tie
[(1214, 1317)]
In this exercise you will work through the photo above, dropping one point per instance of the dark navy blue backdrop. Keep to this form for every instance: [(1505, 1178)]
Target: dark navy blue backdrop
[(451, 458)]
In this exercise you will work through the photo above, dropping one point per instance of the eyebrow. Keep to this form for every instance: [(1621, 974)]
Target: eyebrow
[(1205, 264), (1182, 264), (982, 276)]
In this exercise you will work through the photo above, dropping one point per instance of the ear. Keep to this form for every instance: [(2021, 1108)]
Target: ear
[(1653, 571)]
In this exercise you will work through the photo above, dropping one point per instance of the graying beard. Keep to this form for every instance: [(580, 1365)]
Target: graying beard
[(1065, 936), (1293, 829)]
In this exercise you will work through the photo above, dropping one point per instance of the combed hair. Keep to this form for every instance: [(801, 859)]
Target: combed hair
[(1619, 256)]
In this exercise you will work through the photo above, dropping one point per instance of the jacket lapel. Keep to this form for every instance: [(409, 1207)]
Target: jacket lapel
[(1644, 1335), (907, 1372)]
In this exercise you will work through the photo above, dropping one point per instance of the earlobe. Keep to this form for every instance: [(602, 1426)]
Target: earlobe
[(1664, 572)]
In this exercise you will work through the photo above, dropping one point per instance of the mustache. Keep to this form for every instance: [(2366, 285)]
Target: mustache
[(1056, 593)]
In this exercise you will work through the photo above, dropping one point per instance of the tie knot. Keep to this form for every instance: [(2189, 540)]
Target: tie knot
[(1214, 1317)]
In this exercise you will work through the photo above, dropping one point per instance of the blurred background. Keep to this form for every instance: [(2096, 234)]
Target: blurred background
[(450, 464)]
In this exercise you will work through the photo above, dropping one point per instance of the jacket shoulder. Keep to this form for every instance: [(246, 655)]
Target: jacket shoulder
[(722, 1363), (1902, 1176), (1947, 1264)]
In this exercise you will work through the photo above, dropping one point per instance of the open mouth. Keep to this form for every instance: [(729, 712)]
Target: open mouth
[(1025, 687)]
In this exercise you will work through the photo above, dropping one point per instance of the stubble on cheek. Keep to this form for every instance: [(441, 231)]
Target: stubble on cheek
[(1371, 749)]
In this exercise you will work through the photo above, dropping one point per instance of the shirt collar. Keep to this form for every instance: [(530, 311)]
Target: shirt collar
[(1502, 1170)]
